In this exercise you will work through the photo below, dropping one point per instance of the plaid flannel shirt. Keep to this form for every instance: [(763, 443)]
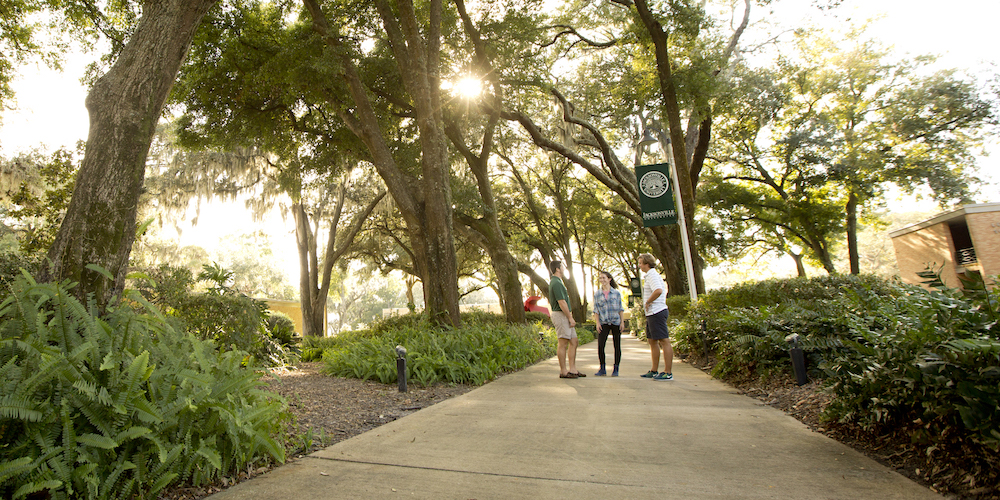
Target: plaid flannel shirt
[(607, 309)]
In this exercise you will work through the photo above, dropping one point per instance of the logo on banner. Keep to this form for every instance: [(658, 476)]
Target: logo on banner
[(654, 184)]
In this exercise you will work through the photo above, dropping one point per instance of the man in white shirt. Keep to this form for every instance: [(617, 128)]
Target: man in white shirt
[(654, 294)]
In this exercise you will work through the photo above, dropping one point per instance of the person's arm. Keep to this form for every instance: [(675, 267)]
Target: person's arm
[(563, 308), (656, 293), (621, 310), (597, 317)]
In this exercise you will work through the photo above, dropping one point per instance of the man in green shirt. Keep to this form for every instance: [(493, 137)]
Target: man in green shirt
[(562, 320)]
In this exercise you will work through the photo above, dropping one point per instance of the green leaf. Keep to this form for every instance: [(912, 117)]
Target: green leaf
[(14, 467), (212, 456), (97, 441), (36, 486), (19, 409), (98, 269), (132, 433)]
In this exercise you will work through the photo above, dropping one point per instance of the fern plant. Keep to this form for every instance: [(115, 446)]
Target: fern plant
[(119, 405)]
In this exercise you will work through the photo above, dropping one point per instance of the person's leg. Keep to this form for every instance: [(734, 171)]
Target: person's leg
[(668, 355), (654, 351), (561, 354), (602, 340), (616, 338), (571, 355)]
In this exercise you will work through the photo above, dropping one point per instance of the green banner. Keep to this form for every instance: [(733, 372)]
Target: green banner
[(656, 196)]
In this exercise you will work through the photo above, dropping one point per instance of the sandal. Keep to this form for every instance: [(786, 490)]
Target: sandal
[(569, 375), (578, 374)]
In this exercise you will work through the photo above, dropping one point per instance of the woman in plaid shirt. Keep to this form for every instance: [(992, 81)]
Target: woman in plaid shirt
[(608, 315)]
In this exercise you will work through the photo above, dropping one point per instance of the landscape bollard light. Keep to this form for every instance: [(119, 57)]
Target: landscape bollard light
[(704, 339), (401, 367), (798, 360)]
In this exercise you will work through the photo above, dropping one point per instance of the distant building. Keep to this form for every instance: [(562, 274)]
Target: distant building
[(293, 309), (963, 241)]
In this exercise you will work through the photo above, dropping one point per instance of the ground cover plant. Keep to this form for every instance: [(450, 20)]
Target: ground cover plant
[(485, 347), (897, 361), (123, 404)]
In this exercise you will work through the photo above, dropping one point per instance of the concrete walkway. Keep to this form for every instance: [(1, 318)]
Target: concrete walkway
[(534, 435)]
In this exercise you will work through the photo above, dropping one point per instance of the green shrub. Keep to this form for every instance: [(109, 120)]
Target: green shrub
[(931, 357), (11, 264), (121, 405), (281, 328), (637, 324), (313, 347), (538, 317), (483, 348), (678, 306), (233, 321), (744, 327), (163, 285), (897, 358), (230, 319)]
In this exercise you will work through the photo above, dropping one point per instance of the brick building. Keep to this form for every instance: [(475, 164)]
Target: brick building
[(963, 240)]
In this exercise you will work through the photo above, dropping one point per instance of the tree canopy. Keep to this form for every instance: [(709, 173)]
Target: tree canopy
[(488, 186), (822, 135)]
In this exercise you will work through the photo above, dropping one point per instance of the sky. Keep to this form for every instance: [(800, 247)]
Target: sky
[(51, 111)]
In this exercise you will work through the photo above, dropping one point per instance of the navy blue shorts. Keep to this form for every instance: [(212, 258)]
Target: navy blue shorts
[(656, 325)]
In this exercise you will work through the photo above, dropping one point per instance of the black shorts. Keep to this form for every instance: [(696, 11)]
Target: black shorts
[(656, 325)]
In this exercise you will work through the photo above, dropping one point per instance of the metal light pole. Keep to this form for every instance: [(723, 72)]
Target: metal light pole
[(647, 139)]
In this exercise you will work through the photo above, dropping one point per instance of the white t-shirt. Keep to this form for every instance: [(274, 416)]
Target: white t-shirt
[(652, 282)]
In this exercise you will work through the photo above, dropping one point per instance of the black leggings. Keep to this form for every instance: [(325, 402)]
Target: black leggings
[(602, 339)]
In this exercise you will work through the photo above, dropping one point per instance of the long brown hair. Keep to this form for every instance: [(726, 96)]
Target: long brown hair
[(610, 278)]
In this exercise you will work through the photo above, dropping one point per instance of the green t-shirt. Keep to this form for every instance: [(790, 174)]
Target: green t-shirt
[(557, 290)]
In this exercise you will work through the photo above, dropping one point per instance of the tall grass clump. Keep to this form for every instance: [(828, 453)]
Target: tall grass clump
[(485, 347), (120, 405)]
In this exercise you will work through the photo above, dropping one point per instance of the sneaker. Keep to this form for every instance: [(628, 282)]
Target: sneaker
[(664, 376), (615, 373), (649, 374), (601, 373)]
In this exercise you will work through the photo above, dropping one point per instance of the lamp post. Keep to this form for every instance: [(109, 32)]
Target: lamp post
[(647, 139)]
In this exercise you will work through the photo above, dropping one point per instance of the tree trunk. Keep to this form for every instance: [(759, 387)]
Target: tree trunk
[(434, 247), (673, 113), (509, 285), (536, 279), (488, 236), (799, 267), (425, 204), (306, 243), (124, 107), (852, 233), (666, 247), (822, 253), (314, 289)]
